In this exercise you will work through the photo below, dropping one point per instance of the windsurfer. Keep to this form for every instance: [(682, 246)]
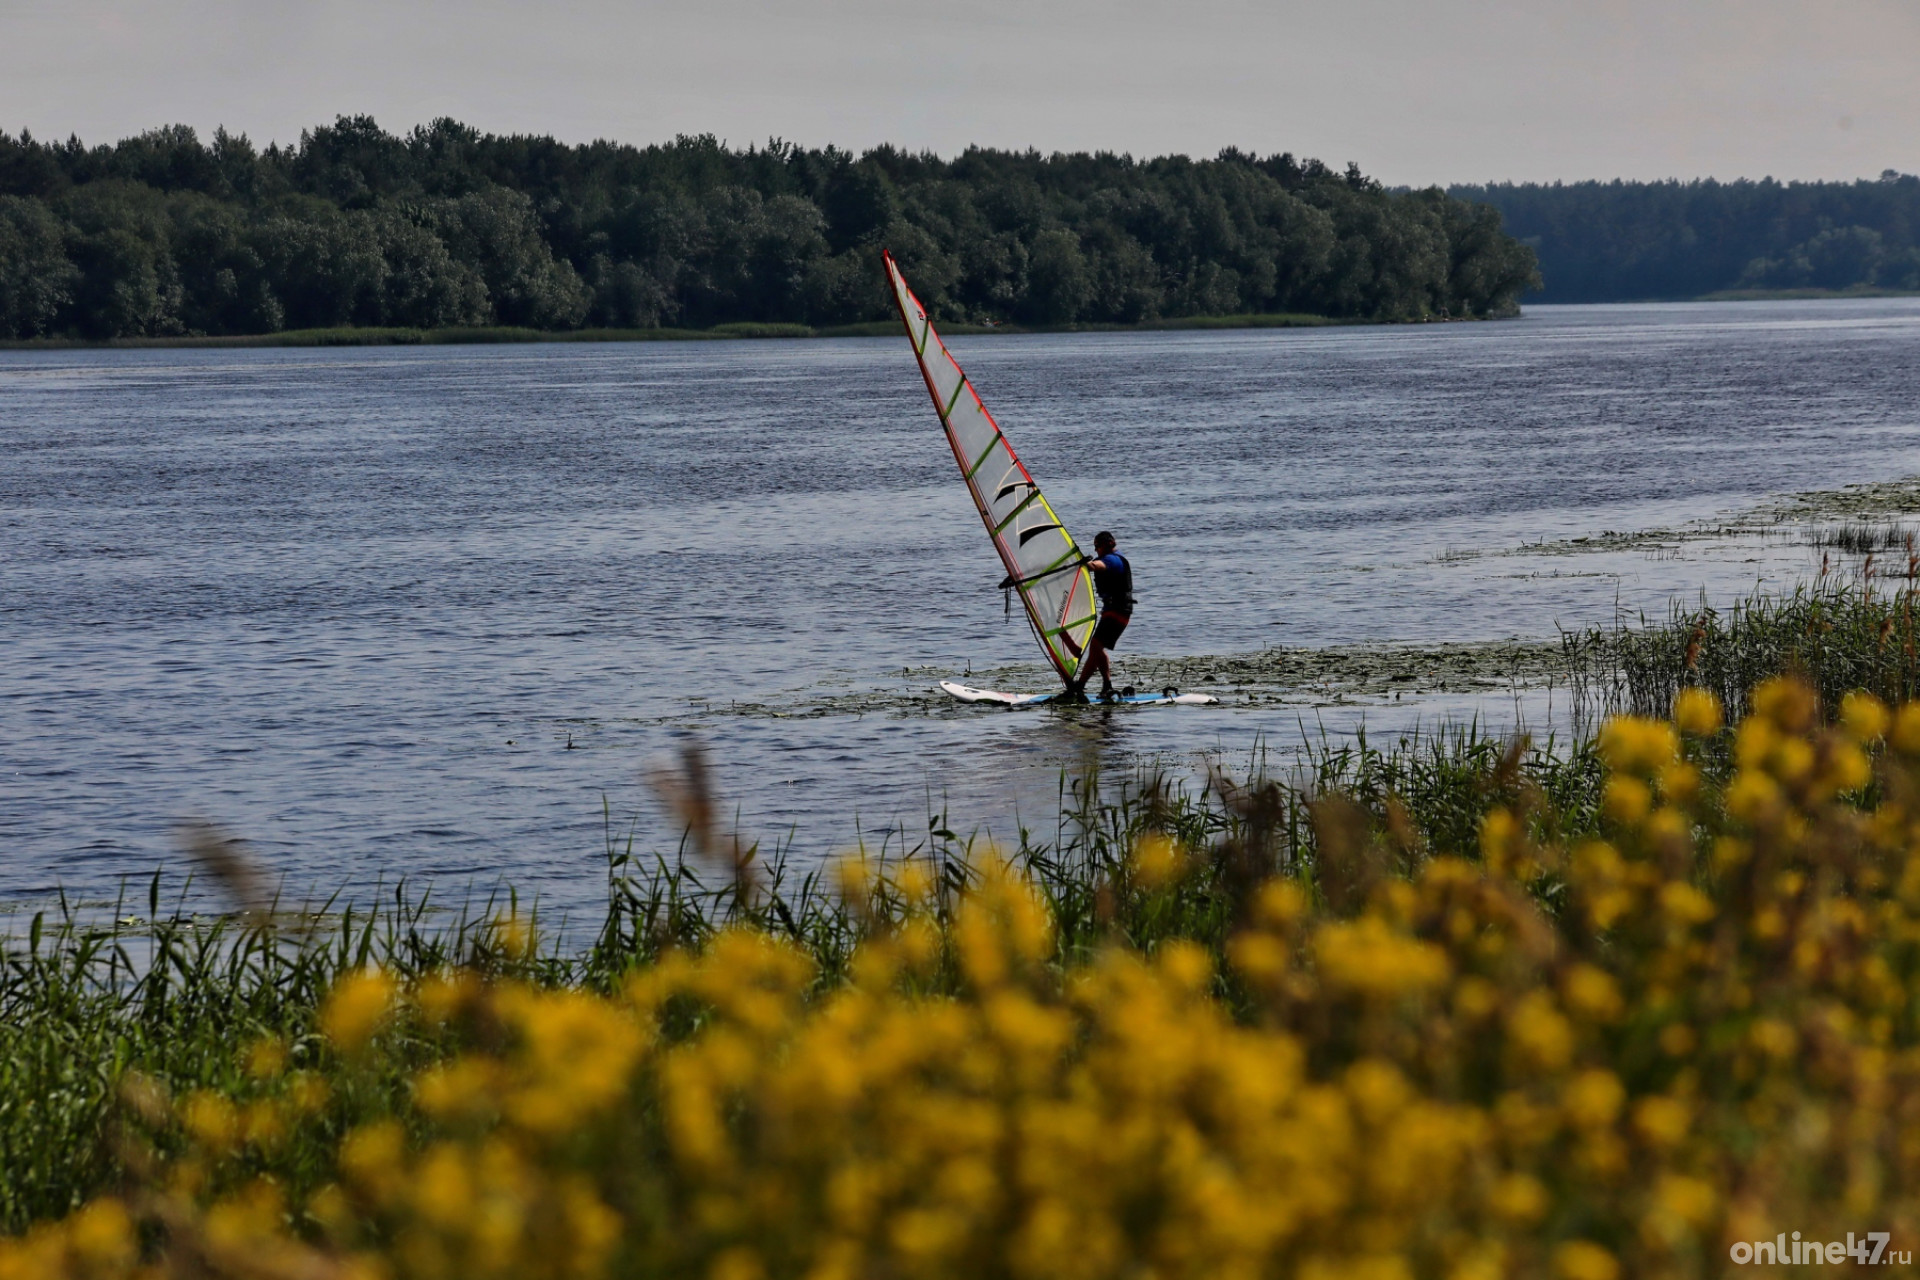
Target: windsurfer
[(1113, 579)]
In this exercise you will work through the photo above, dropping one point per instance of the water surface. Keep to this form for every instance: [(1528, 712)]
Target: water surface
[(420, 611)]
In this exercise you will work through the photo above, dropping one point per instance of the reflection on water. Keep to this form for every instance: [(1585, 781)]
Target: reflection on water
[(419, 612)]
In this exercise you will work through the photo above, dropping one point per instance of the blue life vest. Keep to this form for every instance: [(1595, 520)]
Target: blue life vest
[(1115, 584)]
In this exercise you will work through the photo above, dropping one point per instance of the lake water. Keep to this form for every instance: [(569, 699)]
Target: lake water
[(419, 612)]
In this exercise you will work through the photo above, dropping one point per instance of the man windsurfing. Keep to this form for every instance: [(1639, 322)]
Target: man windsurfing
[(1113, 579)]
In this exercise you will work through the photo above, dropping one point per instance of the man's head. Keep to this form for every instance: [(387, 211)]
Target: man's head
[(1103, 542)]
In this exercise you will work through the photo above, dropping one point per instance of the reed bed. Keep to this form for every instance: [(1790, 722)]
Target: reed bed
[(1863, 538), (1838, 634)]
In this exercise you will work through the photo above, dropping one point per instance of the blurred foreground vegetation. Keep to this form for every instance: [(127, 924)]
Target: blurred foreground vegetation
[(1447, 1006), (448, 227)]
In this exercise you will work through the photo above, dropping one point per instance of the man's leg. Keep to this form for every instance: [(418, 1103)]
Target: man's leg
[(1099, 657), (1095, 660)]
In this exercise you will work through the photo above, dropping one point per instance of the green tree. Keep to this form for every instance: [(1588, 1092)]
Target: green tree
[(423, 286), (324, 265), (129, 284), (1059, 285), (37, 280), (495, 232), (224, 285), (859, 203)]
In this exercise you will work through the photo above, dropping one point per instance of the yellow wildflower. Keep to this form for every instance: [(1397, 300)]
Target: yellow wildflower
[(1689, 1199), (443, 1188), (1684, 904), (1847, 769), (1474, 998), (212, 1120), (1752, 797), (1518, 1198), (1791, 759), (1626, 800), (514, 934), (1584, 1260), (1772, 1037), (1631, 744), (441, 996), (1668, 828), (1864, 717), (1259, 956), (737, 1263), (1279, 904), (1539, 1033), (1158, 861), (1377, 1089), (457, 1090), (263, 1123), (266, 1057), (1592, 993), (1905, 737), (1368, 957), (1593, 1098), (372, 1158), (1499, 831), (101, 1236), (1787, 702), (1680, 782), (1187, 965), (1696, 712), (355, 1009)]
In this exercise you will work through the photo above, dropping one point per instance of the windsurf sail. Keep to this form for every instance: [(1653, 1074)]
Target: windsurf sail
[(1042, 561)]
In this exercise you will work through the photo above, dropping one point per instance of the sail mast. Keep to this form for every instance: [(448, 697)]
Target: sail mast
[(1042, 560)]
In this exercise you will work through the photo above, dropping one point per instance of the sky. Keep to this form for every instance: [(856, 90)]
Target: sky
[(1414, 91)]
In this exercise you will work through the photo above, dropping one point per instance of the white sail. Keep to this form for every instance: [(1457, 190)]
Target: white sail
[(1042, 561)]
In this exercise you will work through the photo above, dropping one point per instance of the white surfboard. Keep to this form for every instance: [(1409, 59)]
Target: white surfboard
[(1168, 696)]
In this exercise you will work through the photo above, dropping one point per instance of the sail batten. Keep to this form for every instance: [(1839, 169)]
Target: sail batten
[(1041, 557)]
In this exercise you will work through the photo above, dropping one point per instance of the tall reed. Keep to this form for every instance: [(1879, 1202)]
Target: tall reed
[(1837, 634)]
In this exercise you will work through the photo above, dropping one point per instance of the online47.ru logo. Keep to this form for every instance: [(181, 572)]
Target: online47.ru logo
[(1780, 1251)]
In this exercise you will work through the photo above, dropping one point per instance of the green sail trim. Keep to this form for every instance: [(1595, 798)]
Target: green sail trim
[(1025, 502), (981, 461)]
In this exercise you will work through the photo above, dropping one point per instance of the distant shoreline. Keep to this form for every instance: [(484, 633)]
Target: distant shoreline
[(1804, 295), (349, 336), (1739, 295)]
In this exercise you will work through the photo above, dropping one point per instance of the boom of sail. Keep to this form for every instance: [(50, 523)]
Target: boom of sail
[(1043, 563)]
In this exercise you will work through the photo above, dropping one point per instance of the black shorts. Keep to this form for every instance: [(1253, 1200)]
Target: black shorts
[(1107, 634)]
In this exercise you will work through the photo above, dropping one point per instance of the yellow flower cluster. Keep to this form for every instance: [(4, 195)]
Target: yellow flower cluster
[(1615, 1059)]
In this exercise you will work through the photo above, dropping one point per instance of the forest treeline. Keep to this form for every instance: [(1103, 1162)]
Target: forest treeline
[(166, 234), (1626, 241)]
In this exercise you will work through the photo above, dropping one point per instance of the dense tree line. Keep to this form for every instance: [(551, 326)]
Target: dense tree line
[(166, 234), (1622, 241)]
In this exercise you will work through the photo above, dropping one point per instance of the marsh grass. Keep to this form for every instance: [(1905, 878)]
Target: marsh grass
[(1863, 538), (1839, 634)]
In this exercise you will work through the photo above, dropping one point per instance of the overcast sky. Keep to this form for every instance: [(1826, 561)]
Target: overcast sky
[(1416, 91)]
